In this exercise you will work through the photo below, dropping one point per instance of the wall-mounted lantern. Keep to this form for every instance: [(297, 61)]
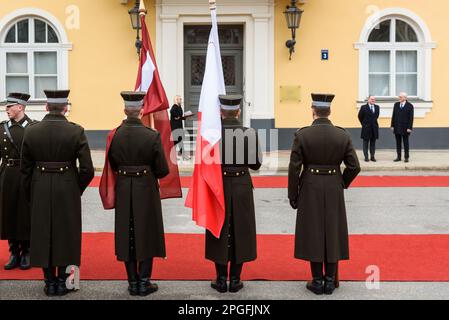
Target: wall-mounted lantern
[(134, 14), (293, 16)]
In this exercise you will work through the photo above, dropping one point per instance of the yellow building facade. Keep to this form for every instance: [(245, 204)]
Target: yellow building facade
[(378, 47)]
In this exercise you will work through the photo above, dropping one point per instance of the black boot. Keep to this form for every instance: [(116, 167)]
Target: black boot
[(61, 288), (133, 278), (316, 285), (235, 285), (329, 285), (50, 281), (329, 279), (14, 259), (145, 286), (220, 283), (25, 255)]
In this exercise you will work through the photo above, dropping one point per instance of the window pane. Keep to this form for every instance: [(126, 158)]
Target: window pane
[(406, 61), (17, 84), (379, 85), (229, 70), (198, 64), (381, 33), (228, 34), (39, 31), (404, 32), (11, 36), (407, 83), (45, 63), (52, 37), (379, 61), (44, 83), (22, 28), (16, 63)]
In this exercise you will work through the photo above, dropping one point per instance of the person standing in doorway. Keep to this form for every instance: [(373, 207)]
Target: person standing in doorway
[(177, 126)]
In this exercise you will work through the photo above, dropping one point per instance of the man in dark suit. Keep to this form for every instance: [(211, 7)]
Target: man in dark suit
[(368, 115), (402, 125)]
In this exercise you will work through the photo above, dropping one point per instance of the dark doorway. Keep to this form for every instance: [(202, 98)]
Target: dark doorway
[(195, 49)]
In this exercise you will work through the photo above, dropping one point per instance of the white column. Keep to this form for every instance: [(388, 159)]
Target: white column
[(168, 66), (263, 107)]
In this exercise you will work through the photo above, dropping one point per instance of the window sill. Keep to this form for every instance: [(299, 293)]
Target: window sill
[(422, 107)]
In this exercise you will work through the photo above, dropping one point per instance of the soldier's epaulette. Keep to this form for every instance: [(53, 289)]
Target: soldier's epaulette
[(300, 129), (341, 128), (151, 129), (4, 121), (33, 122), (75, 124)]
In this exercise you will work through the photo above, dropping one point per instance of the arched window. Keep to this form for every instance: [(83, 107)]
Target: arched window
[(394, 70), (395, 50), (33, 54)]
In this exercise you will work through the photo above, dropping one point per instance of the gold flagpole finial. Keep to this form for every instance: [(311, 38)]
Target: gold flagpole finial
[(212, 4), (142, 9)]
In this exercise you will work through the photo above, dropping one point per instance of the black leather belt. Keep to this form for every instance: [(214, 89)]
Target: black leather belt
[(234, 172), (323, 170), (53, 167), (11, 162), (134, 171)]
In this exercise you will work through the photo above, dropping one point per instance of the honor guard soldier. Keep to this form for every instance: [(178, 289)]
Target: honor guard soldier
[(135, 154), (14, 209), (50, 152), (316, 190), (236, 245)]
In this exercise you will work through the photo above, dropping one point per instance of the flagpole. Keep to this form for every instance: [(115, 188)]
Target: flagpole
[(142, 13)]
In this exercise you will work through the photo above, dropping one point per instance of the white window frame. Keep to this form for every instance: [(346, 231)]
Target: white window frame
[(37, 106), (423, 100)]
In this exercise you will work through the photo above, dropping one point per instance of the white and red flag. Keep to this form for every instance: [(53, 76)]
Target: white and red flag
[(206, 196)]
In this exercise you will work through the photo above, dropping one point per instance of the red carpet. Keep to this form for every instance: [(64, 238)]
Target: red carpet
[(360, 182), (399, 257)]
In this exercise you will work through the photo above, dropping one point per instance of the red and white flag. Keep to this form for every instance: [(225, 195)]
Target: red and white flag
[(155, 110), (206, 196)]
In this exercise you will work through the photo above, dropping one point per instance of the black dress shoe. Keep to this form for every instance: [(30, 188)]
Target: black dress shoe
[(316, 286), (50, 281), (146, 287), (397, 160), (366, 160), (373, 160), (133, 288), (220, 285), (14, 262), (235, 285), (61, 288), (50, 289), (406, 160), (25, 261), (329, 285)]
